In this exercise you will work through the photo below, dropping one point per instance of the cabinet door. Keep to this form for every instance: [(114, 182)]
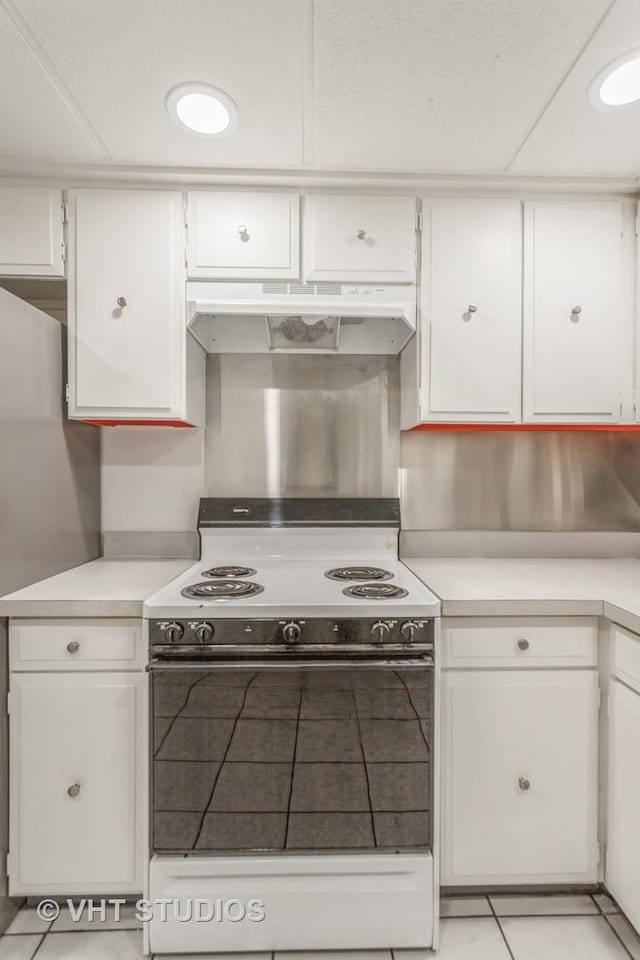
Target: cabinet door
[(519, 768), (127, 304), (31, 232), (623, 840), (76, 774), (366, 239), (471, 310), (250, 235), (577, 313)]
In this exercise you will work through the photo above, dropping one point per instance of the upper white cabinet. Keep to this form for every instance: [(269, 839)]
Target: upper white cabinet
[(577, 313), (471, 310), (31, 232), (243, 235), (360, 239), (130, 357)]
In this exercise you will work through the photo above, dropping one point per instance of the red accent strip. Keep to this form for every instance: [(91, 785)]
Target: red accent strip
[(595, 427), (139, 423)]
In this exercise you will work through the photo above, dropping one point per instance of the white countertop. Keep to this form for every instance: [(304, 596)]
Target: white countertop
[(100, 588), (534, 587)]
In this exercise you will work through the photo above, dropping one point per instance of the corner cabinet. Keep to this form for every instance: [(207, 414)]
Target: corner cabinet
[(470, 303), (578, 317), (31, 232), (131, 358)]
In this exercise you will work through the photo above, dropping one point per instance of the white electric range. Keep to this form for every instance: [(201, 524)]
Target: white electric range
[(292, 698)]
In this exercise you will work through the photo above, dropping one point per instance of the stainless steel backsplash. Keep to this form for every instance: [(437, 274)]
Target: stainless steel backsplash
[(329, 426), (522, 481), (302, 426)]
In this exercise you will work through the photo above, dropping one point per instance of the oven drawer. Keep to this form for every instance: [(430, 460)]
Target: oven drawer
[(626, 656), (520, 642), (75, 644)]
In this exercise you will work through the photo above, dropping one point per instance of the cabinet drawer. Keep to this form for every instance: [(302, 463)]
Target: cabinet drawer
[(626, 656), (250, 235), (365, 239), (520, 642), (75, 645)]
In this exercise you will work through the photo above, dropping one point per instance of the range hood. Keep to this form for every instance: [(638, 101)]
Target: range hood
[(301, 317)]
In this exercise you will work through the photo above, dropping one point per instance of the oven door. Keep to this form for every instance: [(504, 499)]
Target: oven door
[(282, 756)]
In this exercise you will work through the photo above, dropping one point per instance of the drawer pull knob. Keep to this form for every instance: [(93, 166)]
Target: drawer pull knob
[(524, 784), (244, 233), (73, 646), (523, 644), (361, 234), (122, 302), (575, 314), (74, 790)]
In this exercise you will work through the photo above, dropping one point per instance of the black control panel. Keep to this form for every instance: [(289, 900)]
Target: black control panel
[(412, 633)]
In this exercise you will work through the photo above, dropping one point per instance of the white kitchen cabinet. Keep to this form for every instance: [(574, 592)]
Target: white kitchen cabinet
[(31, 232), (577, 338), (76, 783), (519, 769), (360, 239), (242, 235), (471, 311), (130, 356)]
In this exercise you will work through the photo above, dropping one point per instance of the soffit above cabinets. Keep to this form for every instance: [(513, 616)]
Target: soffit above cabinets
[(413, 86)]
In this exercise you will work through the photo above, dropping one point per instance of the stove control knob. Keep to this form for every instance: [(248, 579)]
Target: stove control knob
[(380, 631), (173, 632), (291, 632), (204, 632), (409, 631)]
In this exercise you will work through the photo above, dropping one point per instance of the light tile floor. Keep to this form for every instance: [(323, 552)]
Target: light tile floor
[(473, 928)]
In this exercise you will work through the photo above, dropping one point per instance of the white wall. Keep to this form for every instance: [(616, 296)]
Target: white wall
[(152, 478)]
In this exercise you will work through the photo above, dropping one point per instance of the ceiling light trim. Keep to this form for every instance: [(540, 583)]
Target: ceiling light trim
[(594, 91), (182, 90)]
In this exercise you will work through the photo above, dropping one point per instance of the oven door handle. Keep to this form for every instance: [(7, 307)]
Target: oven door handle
[(170, 666)]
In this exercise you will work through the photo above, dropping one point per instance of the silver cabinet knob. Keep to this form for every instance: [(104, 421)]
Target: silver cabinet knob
[(121, 301), (74, 790), (575, 314), (243, 232), (472, 308), (524, 784), (73, 646), (361, 234), (523, 644)]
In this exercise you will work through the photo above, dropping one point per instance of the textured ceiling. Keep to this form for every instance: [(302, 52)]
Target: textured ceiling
[(426, 86)]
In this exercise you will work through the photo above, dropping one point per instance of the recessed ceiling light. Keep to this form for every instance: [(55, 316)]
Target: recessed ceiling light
[(618, 84), (202, 109)]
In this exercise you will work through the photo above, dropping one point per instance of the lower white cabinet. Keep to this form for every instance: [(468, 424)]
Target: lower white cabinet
[(623, 832), (76, 783), (520, 776)]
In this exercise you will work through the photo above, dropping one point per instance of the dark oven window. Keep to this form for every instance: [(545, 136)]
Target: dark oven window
[(291, 760)]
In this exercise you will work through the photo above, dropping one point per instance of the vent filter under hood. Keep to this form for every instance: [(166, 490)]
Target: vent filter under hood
[(301, 317)]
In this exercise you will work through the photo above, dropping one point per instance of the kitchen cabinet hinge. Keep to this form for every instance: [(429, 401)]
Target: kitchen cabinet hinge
[(66, 392), (8, 704), (599, 697), (419, 221), (598, 853), (636, 222), (8, 864), (64, 213), (63, 247)]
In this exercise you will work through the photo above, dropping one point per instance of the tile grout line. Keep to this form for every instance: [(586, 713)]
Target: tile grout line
[(504, 936), (44, 937), (611, 927)]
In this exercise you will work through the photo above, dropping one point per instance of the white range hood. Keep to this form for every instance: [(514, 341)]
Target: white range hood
[(301, 317)]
